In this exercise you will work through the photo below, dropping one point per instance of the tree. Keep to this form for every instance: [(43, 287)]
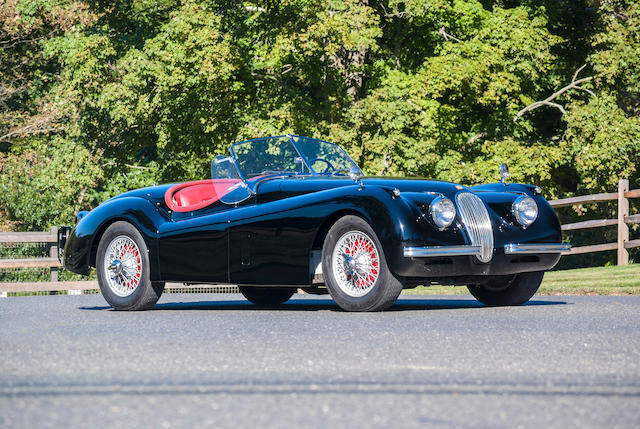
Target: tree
[(148, 91)]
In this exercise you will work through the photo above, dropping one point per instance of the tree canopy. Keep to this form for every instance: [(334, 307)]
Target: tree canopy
[(97, 97)]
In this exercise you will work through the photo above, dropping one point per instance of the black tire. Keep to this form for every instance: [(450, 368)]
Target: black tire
[(146, 293), (385, 289), (267, 295), (508, 290)]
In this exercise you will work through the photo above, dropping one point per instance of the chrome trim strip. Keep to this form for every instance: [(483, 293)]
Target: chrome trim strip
[(511, 249), (435, 251)]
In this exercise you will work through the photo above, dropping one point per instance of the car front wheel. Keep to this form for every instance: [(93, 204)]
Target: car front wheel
[(354, 267), (507, 290), (122, 264)]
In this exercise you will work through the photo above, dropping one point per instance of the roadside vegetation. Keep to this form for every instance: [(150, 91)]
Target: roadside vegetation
[(613, 280)]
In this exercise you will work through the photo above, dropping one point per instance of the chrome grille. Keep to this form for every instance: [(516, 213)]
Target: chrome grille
[(475, 219)]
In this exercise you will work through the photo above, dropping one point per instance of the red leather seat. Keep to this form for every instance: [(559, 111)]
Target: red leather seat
[(189, 196)]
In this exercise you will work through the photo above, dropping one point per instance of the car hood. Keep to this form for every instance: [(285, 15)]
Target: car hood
[(299, 185)]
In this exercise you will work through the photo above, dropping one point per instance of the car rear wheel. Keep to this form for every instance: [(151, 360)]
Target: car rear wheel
[(354, 267), (267, 295), (508, 290), (122, 264)]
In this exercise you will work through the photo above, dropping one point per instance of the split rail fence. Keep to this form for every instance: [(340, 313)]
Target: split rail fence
[(623, 244), (49, 239)]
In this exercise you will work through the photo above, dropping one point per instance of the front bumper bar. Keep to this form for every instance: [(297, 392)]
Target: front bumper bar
[(523, 249), (509, 249), (439, 251)]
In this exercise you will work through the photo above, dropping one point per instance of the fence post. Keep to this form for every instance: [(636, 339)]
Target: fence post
[(53, 253), (623, 229)]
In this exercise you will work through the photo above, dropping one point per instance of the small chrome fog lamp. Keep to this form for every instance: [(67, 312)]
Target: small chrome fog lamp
[(525, 210), (442, 211)]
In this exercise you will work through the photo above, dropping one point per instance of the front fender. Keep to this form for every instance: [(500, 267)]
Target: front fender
[(396, 219), (82, 244)]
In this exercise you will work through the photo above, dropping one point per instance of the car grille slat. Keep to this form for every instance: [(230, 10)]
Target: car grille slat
[(476, 221)]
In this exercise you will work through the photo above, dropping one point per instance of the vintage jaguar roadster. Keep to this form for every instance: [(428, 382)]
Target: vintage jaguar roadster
[(288, 212)]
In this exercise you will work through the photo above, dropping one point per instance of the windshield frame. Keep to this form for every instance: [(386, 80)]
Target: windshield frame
[(302, 156)]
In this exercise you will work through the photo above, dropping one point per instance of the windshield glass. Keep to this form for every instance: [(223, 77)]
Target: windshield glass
[(324, 157), (227, 185), (222, 167), (265, 156), (290, 155)]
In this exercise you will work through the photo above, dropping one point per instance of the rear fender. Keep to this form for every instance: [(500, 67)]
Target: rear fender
[(82, 244)]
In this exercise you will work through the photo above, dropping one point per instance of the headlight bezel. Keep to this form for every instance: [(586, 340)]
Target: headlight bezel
[(437, 208), (519, 209)]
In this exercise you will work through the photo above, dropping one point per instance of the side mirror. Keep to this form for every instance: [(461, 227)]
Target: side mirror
[(504, 172)]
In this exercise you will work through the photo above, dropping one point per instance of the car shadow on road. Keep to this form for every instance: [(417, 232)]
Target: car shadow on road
[(327, 305)]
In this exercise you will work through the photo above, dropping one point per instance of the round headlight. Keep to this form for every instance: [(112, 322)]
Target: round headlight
[(525, 210), (443, 212)]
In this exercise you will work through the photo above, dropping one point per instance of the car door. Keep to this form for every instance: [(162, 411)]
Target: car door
[(270, 242), (195, 248)]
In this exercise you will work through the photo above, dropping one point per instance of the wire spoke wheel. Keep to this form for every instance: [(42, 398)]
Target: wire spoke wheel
[(124, 271), (123, 266), (356, 263), (355, 269)]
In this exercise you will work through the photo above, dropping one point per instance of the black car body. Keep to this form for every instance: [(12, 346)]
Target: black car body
[(273, 232)]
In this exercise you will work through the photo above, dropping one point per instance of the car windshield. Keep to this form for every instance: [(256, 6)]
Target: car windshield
[(289, 155), (237, 176)]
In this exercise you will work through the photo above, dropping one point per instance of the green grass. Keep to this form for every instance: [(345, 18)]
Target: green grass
[(614, 280)]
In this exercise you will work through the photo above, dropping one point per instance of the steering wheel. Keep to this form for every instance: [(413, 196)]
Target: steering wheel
[(329, 165)]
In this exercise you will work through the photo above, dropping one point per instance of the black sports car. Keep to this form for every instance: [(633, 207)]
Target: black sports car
[(289, 212)]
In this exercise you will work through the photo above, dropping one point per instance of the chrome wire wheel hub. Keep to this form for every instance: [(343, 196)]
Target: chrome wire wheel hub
[(123, 266), (356, 263)]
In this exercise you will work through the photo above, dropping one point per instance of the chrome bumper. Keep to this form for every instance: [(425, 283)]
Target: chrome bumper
[(509, 249), (431, 251), (512, 249)]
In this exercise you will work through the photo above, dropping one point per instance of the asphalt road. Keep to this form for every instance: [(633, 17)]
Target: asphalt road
[(217, 361)]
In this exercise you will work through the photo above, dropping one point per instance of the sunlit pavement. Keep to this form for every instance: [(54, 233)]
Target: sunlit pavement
[(218, 361)]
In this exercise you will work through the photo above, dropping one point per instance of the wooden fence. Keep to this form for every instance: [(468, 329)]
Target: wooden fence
[(49, 238), (623, 244)]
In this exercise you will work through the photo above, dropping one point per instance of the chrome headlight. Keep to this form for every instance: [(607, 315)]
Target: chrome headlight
[(442, 211), (525, 210)]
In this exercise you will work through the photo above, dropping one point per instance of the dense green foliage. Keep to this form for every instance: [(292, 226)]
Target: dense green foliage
[(100, 96)]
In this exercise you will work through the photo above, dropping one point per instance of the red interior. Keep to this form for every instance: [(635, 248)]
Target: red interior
[(189, 196)]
